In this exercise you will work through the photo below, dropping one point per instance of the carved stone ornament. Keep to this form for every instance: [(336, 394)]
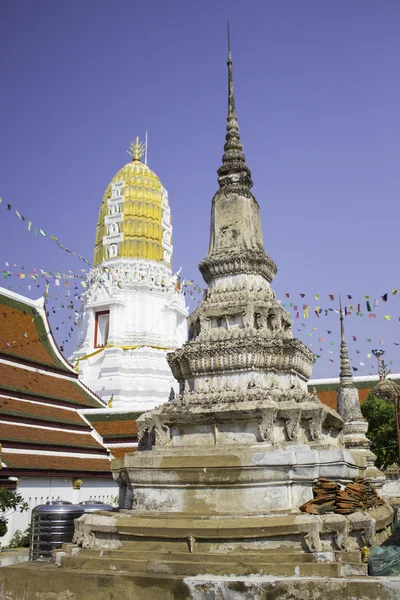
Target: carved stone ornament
[(315, 417), (162, 433), (266, 424), (292, 422)]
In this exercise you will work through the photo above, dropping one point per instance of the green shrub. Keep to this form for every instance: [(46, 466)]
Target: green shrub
[(3, 526), (20, 539), (381, 418)]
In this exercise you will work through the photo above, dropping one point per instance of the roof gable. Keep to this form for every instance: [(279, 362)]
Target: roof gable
[(25, 334)]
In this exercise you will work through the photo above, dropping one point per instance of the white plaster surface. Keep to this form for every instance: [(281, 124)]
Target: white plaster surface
[(147, 320), (39, 490)]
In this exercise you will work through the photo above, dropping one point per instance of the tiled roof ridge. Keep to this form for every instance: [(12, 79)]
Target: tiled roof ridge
[(29, 434), (35, 395), (118, 452), (109, 416), (29, 363), (93, 394), (36, 309), (29, 382), (42, 465), (28, 419), (21, 408), (119, 438)]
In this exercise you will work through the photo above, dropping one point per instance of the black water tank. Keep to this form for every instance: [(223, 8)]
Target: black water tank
[(52, 525), (92, 505)]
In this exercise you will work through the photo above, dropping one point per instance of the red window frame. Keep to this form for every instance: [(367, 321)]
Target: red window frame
[(96, 325)]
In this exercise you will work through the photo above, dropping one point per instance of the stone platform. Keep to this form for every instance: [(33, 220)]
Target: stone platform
[(41, 581)]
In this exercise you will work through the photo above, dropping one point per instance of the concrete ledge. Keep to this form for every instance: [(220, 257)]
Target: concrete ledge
[(34, 581)]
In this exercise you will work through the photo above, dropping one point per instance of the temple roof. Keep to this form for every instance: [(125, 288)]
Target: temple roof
[(117, 429), (20, 381), (48, 464), (327, 388), (25, 333), (38, 412), (26, 436), (41, 431)]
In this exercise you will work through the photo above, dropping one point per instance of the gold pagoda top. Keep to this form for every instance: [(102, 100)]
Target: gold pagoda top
[(136, 149), (130, 223)]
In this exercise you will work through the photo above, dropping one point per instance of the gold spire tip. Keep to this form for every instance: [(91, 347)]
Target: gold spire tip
[(136, 149)]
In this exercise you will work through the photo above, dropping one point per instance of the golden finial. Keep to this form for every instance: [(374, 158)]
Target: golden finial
[(136, 149)]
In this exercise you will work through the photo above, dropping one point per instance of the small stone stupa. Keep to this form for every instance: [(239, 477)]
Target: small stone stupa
[(222, 469), (355, 426)]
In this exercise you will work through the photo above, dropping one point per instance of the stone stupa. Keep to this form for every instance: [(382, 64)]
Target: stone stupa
[(224, 466), (213, 493), (355, 426)]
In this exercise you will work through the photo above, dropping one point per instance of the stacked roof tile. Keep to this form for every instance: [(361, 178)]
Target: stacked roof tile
[(41, 431), (117, 429)]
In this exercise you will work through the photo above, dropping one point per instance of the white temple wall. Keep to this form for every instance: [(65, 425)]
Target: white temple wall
[(146, 321), (137, 379)]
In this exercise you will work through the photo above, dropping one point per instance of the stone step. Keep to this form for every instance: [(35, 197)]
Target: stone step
[(187, 568), (241, 568), (155, 549), (354, 569), (198, 557)]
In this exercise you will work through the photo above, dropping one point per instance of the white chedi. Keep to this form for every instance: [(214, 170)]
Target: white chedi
[(133, 312)]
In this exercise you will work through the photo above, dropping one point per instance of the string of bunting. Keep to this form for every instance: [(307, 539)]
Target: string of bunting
[(38, 230), (69, 304), (188, 288)]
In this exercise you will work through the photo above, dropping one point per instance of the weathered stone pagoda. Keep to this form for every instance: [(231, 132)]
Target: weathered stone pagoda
[(214, 490), (355, 426), (225, 465)]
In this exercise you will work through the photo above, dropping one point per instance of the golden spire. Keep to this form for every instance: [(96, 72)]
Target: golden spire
[(136, 149)]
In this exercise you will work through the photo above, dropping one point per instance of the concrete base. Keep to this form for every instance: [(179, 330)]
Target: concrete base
[(39, 581)]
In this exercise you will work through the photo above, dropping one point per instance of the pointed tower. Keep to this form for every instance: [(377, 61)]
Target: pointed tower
[(355, 426), (222, 469), (132, 312), (236, 242), (243, 378)]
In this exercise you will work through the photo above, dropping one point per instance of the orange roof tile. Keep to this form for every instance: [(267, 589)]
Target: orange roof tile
[(55, 463), (39, 435), (329, 397), (22, 410), (116, 428), (112, 425), (45, 386), (119, 452), (23, 334)]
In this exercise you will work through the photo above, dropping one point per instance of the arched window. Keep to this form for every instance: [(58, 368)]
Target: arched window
[(113, 250), (113, 228)]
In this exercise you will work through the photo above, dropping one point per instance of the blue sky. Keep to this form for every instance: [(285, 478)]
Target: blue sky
[(317, 94)]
